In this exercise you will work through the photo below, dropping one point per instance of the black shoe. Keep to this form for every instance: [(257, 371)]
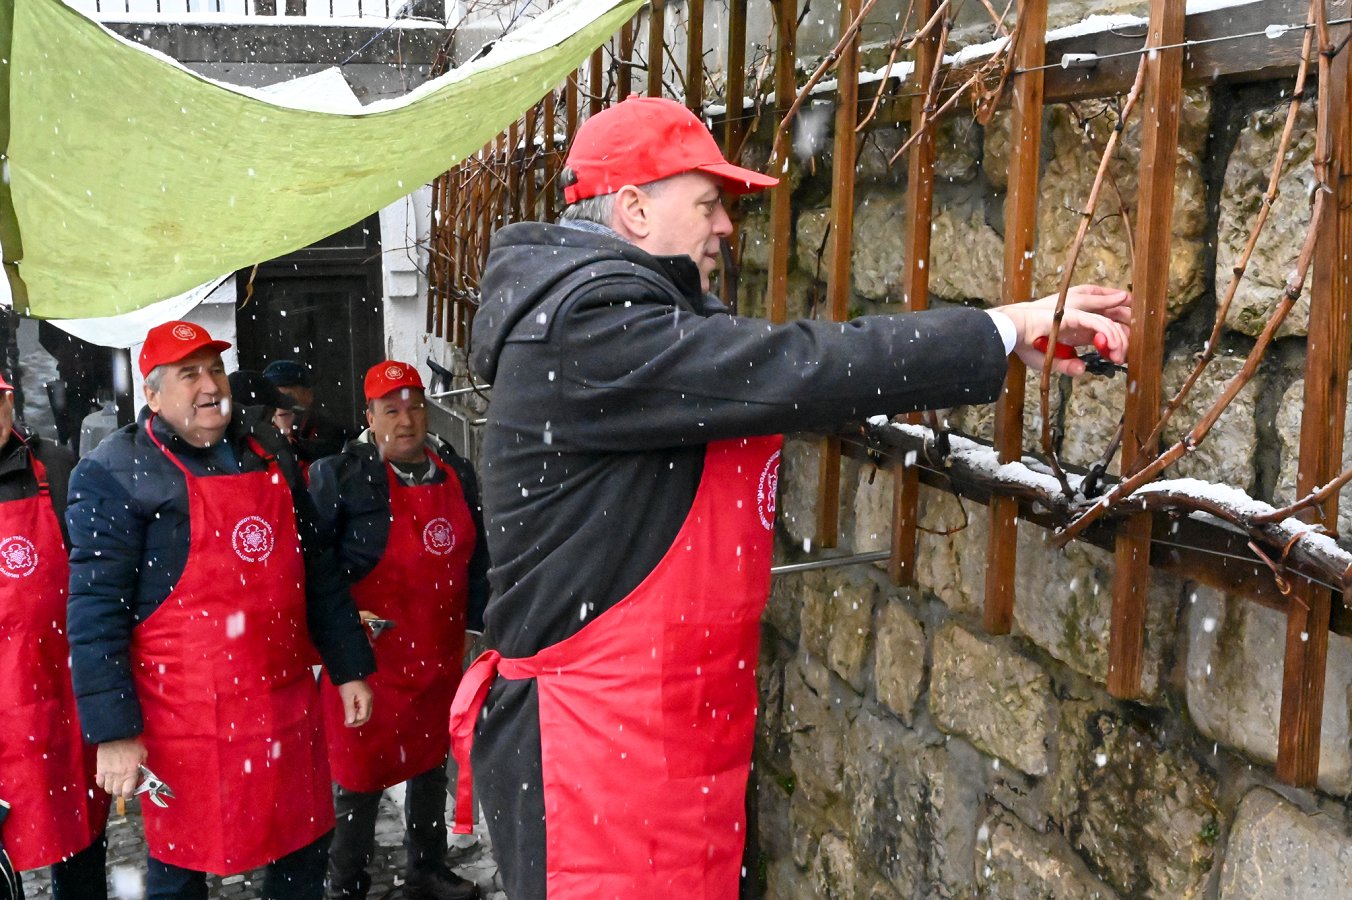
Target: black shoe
[(439, 884), (356, 891)]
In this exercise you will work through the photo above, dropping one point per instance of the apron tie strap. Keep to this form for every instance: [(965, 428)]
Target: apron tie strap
[(468, 703)]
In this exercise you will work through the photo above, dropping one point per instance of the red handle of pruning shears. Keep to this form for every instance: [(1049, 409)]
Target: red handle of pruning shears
[(1066, 351)]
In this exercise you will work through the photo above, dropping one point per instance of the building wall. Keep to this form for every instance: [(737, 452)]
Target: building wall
[(903, 752)]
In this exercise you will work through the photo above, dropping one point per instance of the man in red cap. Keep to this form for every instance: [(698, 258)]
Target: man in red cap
[(199, 593), (50, 813), (633, 455), (402, 508)]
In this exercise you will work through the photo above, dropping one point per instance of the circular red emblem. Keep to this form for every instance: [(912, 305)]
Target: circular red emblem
[(439, 537), (184, 332), (766, 490), (393, 372), (252, 539), (18, 557)]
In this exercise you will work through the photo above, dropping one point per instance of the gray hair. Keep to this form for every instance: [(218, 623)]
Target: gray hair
[(155, 377), (601, 208)]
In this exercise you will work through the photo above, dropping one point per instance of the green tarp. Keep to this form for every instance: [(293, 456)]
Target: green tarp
[(128, 179)]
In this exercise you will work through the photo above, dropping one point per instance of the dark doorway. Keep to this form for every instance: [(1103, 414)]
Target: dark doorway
[(321, 306)]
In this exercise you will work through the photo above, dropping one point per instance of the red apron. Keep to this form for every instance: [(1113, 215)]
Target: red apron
[(647, 715), (229, 701), (46, 771), (422, 583)]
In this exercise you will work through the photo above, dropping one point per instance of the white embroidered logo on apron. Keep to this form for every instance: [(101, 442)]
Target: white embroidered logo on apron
[(439, 537), (252, 539), (766, 490), (18, 557)]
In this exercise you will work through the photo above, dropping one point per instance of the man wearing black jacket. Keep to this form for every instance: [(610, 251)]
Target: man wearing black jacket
[(631, 461), (198, 597), (402, 507)]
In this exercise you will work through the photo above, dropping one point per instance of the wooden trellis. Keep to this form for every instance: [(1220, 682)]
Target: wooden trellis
[(516, 177)]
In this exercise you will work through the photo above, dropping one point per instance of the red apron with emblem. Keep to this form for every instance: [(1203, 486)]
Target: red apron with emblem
[(647, 715), (422, 583), (46, 770), (229, 701)]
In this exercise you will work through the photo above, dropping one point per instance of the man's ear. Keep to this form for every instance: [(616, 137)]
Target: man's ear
[(152, 398), (631, 213)]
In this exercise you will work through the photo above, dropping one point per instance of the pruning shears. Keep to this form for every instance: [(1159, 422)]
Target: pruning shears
[(1096, 362), (153, 787)]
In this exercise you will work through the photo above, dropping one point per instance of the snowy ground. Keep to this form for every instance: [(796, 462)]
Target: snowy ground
[(469, 857)]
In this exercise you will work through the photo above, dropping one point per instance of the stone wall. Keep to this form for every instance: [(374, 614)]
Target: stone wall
[(903, 752)]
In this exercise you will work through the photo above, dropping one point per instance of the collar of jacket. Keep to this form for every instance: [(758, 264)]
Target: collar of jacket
[(14, 452)]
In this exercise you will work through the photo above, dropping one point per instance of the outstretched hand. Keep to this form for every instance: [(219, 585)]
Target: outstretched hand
[(1090, 311)]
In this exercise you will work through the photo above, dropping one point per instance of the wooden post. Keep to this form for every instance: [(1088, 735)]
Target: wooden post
[(597, 85), (657, 41), (527, 166), (915, 290), (781, 212), (1161, 100), (624, 75), (732, 136), (694, 56), (1321, 433), (551, 153), (842, 249), (1016, 287)]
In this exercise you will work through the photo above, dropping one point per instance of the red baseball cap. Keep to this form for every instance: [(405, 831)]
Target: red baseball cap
[(389, 376), (644, 139), (172, 341), (5, 385)]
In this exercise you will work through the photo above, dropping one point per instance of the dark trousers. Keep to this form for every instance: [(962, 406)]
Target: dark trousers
[(82, 876), (354, 836), (297, 876)]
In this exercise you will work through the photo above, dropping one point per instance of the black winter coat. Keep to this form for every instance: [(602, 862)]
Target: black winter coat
[(611, 371), (16, 473), (351, 493), (129, 534)]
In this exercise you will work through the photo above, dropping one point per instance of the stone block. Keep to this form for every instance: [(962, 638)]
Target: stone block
[(818, 714), (1064, 605), (1234, 683), (1142, 812), (1014, 862), (784, 609), (833, 874), (812, 241), (889, 811), (1279, 852), (899, 661), (1227, 454), (951, 550), (837, 626), (873, 509), (756, 240), (1288, 438), (1246, 179), (979, 420), (989, 694), (799, 474), (1093, 410), (966, 255), (1068, 176), (876, 268)]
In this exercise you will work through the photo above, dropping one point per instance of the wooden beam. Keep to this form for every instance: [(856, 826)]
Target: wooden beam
[(657, 41), (1161, 101), (1016, 287), (915, 284), (1217, 57), (596, 86), (845, 146), (1321, 433), (551, 152), (781, 195), (694, 55)]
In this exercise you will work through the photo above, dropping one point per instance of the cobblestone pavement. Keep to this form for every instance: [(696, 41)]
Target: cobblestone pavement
[(469, 857)]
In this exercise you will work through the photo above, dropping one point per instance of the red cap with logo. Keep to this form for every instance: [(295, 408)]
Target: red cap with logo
[(5, 385), (389, 376), (172, 341), (645, 139)]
